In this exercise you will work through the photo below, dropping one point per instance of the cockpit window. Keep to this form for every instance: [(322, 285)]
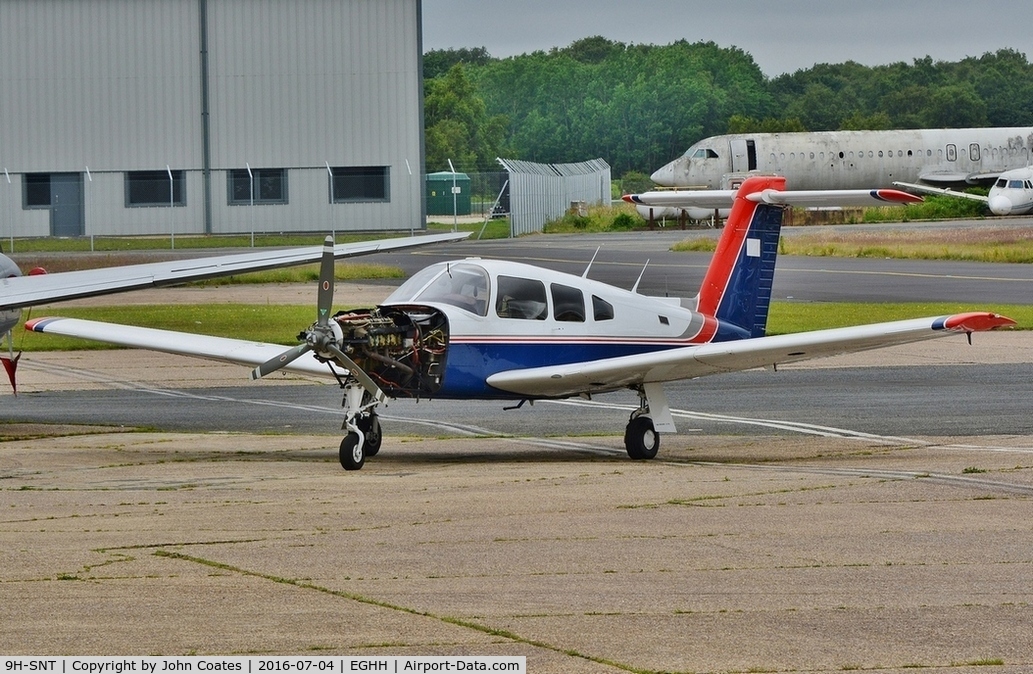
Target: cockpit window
[(1016, 184), (1001, 182), (521, 298), (461, 285), (704, 153)]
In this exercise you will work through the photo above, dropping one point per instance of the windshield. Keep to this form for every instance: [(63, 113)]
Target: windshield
[(461, 285)]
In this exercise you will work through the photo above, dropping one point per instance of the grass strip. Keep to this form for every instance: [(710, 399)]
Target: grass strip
[(280, 324)]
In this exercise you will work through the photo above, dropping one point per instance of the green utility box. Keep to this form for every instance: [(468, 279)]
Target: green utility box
[(439, 193)]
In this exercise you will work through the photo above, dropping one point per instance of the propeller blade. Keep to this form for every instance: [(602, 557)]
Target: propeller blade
[(356, 371), (326, 283), (274, 364)]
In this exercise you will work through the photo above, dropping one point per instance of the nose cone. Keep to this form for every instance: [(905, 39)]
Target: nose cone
[(664, 176), (1000, 204)]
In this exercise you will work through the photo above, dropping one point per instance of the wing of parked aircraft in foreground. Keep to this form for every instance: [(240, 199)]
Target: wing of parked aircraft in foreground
[(721, 357), (501, 330), (26, 291)]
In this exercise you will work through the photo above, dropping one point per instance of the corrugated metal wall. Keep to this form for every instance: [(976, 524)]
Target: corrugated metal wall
[(108, 84), (115, 85), (542, 192)]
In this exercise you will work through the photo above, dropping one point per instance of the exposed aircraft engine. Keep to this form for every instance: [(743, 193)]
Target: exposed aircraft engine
[(403, 351)]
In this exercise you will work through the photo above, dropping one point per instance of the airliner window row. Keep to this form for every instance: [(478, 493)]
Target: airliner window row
[(974, 152)]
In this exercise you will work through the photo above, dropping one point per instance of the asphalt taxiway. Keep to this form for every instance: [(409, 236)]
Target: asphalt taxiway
[(862, 515)]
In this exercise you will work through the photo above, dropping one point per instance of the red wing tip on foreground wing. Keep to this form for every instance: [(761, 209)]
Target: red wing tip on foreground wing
[(975, 321)]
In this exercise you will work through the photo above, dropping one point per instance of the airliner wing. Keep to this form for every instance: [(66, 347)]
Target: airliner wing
[(803, 198), (24, 291), (941, 190), (224, 349), (714, 358)]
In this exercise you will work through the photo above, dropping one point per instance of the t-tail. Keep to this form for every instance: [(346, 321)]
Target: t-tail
[(737, 287)]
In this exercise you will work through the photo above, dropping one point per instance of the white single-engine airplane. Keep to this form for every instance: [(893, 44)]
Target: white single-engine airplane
[(18, 292), (1011, 194), (493, 329)]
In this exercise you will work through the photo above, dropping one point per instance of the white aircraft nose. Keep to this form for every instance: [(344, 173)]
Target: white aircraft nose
[(1000, 205), (664, 176)]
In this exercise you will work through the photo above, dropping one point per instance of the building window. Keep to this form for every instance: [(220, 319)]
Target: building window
[(359, 183), (153, 188), (270, 186), (36, 190)]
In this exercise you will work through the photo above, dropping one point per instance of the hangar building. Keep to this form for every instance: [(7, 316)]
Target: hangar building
[(144, 117)]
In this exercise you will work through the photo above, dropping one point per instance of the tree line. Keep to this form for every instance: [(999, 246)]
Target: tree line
[(639, 106)]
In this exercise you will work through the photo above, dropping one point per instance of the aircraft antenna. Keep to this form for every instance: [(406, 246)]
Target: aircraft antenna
[(635, 288), (585, 275)]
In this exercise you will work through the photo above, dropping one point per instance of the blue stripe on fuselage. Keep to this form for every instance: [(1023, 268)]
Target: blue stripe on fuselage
[(469, 365)]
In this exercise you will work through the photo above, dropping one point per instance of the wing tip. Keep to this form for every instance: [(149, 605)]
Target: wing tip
[(974, 321)]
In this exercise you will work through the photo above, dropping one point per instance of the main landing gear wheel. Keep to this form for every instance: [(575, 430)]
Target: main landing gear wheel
[(370, 427), (641, 439), (353, 453)]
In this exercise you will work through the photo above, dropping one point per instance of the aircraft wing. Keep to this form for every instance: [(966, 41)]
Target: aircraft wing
[(803, 198), (942, 190), (224, 349), (25, 291), (713, 358)]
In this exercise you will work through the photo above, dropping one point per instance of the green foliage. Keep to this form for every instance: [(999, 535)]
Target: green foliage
[(639, 106), (790, 317), (743, 124), (439, 61), (598, 219), (458, 126)]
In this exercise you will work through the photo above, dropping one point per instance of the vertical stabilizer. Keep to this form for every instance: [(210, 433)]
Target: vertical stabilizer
[(737, 287)]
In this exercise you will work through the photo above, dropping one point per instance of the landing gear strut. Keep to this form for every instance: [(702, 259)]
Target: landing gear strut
[(360, 420)]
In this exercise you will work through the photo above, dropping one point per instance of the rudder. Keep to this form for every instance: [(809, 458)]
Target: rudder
[(737, 287)]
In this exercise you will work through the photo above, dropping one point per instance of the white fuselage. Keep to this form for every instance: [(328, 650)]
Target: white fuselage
[(1012, 193), (830, 160)]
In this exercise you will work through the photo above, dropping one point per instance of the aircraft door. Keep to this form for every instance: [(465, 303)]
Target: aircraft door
[(744, 155), (737, 150)]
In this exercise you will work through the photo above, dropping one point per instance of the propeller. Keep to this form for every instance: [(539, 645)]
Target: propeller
[(323, 336)]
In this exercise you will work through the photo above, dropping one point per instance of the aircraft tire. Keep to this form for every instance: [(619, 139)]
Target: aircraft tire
[(370, 427), (352, 454), (641, 439)]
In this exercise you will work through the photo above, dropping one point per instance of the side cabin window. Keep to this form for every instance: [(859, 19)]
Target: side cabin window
[(602, 310), (521, 298), (568, 304)]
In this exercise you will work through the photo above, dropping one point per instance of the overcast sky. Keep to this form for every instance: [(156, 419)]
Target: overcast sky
[(782, 36)]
